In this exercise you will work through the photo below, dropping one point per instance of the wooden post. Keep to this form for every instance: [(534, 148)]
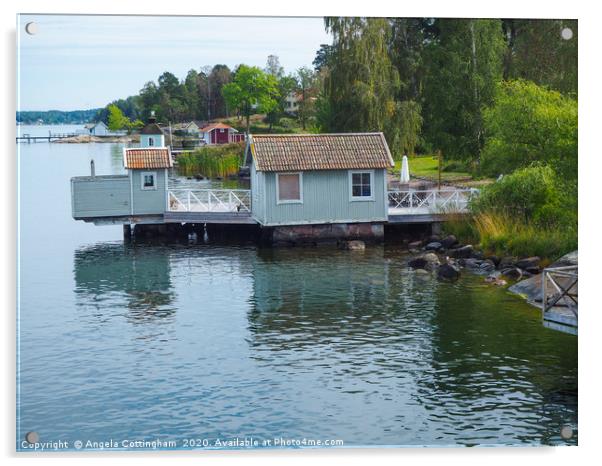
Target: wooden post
[(440, 157)]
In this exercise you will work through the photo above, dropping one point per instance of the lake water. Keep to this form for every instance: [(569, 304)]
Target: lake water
[(193, 343)]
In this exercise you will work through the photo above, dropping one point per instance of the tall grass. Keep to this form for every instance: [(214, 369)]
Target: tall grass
[(504, 235), (212, 161)]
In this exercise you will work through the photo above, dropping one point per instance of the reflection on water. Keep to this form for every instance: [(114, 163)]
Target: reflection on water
[(212, 341)]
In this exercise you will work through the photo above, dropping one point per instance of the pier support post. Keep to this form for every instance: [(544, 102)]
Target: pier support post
[(127, 232)]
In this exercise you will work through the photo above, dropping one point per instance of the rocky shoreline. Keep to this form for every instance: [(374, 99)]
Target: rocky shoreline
[(86, 138)]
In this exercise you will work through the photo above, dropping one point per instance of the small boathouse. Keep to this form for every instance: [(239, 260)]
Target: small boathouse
[(303, 187)]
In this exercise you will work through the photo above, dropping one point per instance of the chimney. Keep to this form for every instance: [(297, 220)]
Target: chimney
[(152, 118)]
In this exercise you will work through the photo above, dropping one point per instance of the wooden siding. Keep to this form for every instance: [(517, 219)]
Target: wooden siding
[(100, 196), (257, 190), (148, 201), (326, 199), (158, 140)]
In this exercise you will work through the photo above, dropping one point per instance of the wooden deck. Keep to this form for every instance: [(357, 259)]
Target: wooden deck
[(230, 218)]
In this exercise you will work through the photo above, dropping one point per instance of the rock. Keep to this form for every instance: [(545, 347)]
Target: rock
[(428, 261), (496, 281), (506, 262), (434, 246), (199, 177), (487, 266), (528, 262), (533, 270), (448, 241), (462, 252), (477, 255), (433, 239), (494, 259), (414, 251), (448, 272), (471, 263), (415, 245), (530, 288), (354, 245), (512, 273)]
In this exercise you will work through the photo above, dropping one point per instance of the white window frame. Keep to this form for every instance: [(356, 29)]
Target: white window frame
[(151, 142), (148, 188), (353, 198), (289, 201)]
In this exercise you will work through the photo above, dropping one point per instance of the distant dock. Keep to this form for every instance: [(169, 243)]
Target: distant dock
[(51, 136)]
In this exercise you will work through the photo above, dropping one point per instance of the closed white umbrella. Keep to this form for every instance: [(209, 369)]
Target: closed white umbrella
[(405, 171)]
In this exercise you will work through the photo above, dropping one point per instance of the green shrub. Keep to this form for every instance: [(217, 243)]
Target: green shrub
[(529, 123)]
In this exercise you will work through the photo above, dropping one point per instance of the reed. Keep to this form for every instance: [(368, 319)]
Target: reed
[(212, 161)]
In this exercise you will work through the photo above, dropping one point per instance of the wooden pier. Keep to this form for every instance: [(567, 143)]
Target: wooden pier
[(51, 136)]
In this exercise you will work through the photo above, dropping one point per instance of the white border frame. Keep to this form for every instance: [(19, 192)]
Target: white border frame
[(291, 201), (147, 188), (353, 198)]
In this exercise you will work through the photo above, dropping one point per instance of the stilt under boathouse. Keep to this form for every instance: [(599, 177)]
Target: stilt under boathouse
[(305, 188)]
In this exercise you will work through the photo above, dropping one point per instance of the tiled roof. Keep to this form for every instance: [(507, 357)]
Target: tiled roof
[(320, 151), (212, 126), (146, 158)]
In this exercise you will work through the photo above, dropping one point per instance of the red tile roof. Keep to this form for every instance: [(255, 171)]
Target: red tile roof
[(320, 151), (147, 158)]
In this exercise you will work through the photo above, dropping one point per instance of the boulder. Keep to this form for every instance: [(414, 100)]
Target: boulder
[(448, 272), (428, 261), (487, 266), (433, 239), (477, 255), (434, 246), (528, 262), (462, 252), (494, 259), (448, 241), (507, 262), (533, 270), (471, 263), (512, 273), (354, 245), (415, 245)]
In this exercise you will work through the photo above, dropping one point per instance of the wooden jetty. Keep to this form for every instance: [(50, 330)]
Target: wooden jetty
[(51, 136)]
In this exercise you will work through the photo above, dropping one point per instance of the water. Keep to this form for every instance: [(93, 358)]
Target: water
[(193, 343)]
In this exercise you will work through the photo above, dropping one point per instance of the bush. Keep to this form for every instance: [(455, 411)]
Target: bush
[(530, 194), (529, 123)]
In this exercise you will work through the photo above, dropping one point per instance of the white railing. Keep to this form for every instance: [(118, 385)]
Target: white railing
[(430, 201), (563, 289), (209, 200)]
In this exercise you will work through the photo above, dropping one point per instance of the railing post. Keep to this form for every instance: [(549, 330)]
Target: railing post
[(209, 199), (188, 207), (229, 199)]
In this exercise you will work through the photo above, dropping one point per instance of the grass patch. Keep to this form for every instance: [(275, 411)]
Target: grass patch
[(212, 161), (504, 235), (427, 166)]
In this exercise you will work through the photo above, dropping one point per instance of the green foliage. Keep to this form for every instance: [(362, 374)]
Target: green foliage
[(530, 194), (117, 120), (251, 90), (529, 123), (359, 91), (463, 65), (405, 132), (212, 161), (536, 51)]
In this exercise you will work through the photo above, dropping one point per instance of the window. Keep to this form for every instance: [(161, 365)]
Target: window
[(151, 142), (361, 186), (149, 180), (289, 188), (221, 130)]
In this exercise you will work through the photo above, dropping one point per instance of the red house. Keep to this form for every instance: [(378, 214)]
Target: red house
[(220, 133)]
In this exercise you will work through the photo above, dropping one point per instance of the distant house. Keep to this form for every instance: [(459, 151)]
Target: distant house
[(292, 101), (152, 135), (305, 179), (97, 129), (219, 133)]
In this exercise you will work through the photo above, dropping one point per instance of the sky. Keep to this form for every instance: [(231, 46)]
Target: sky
[(82, 62)]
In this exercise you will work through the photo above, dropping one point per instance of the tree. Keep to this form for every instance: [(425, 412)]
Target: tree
[(286, 85), (529, 123), (537, 51), (273, 66), (463, 66), (117, 120), (220, 76), (323, 56), (362, 82), (251, 89), (307, 83)]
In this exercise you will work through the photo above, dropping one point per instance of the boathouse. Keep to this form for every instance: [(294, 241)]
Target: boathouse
[(319, 178), (138, 197)]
